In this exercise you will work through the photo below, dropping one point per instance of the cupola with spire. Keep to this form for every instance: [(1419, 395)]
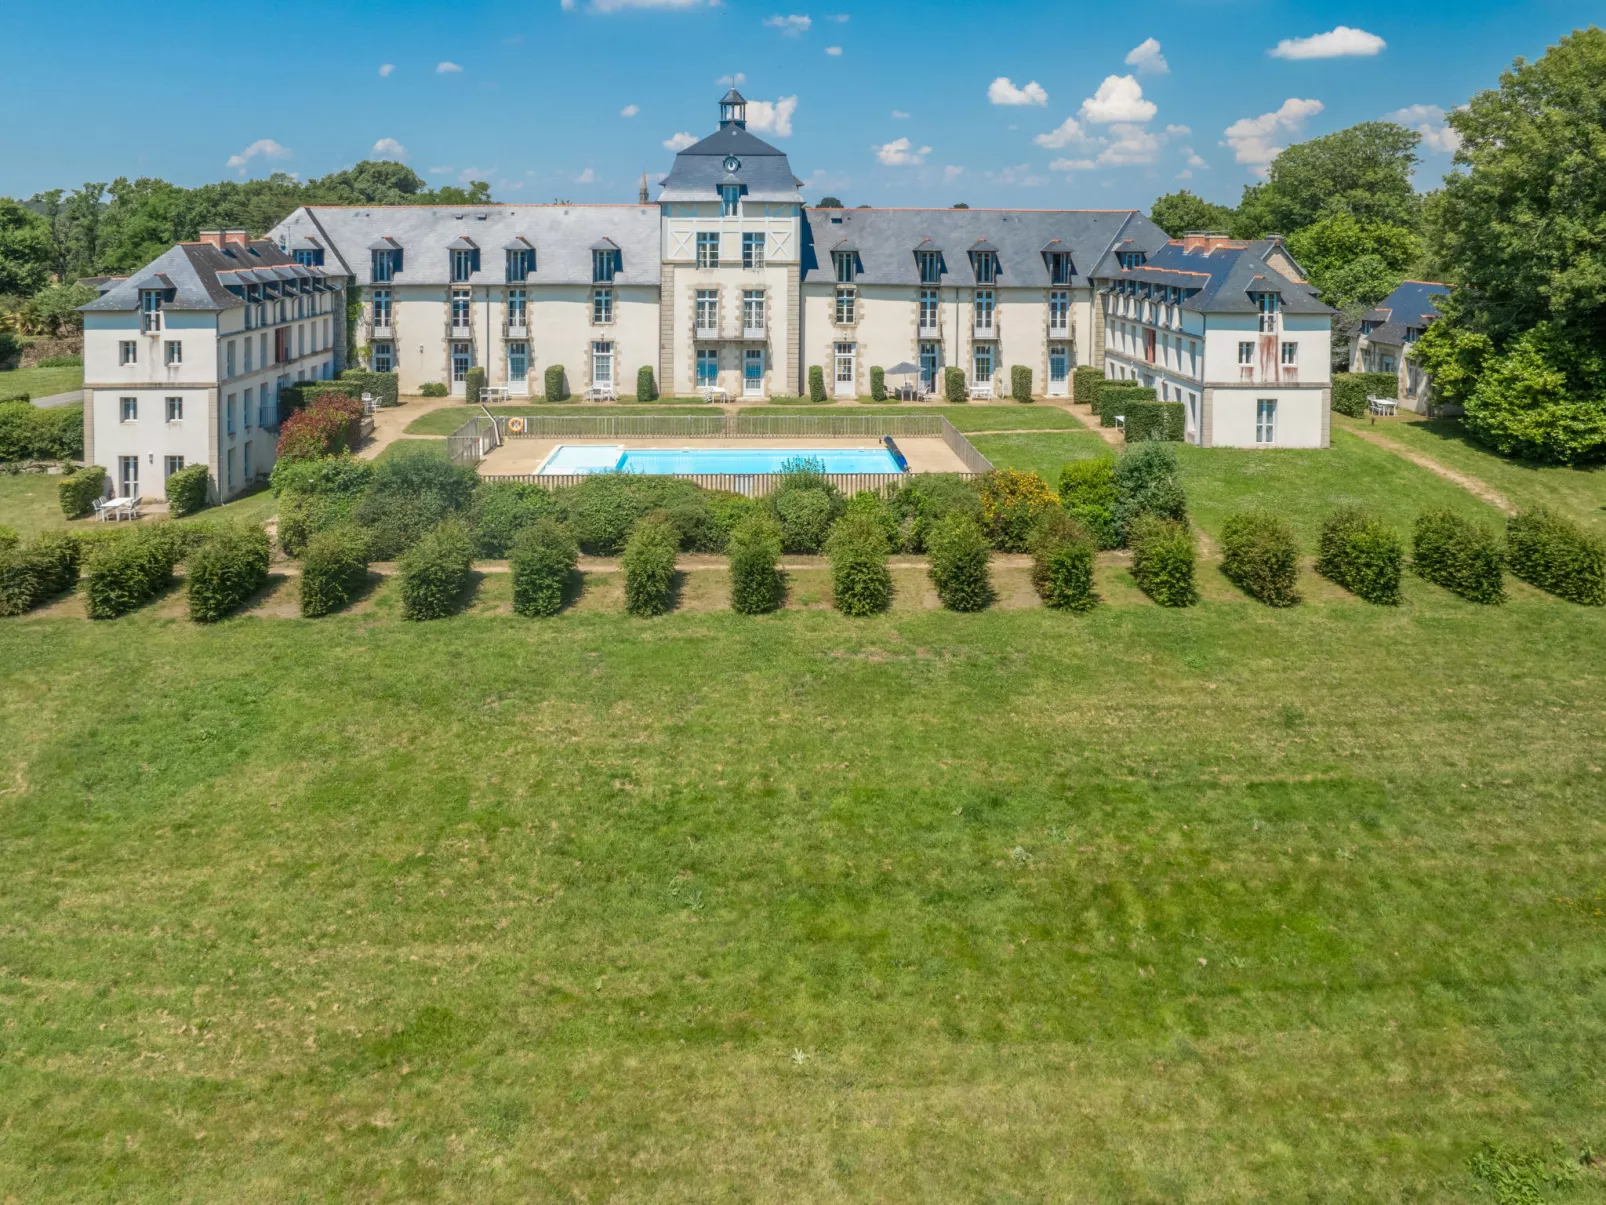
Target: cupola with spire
[(733, 110)]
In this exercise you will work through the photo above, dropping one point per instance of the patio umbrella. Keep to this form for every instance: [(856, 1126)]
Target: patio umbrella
[(903, 369)]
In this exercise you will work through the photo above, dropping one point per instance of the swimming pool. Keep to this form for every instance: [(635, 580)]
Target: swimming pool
[(608, 458)]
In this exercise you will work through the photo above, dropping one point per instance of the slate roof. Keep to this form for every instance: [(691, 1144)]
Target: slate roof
[(192, 273), (888, 238), (562, 236), (1226, 277), (700, 168), (1410, 305)]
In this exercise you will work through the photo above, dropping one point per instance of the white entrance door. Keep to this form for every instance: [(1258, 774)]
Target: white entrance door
[(462, 361), (845, 375), (1059, 370), (930, 363), (518, 368), (753, 372)]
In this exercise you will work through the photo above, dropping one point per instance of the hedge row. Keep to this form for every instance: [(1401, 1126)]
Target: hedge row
[(435, 571), (127, 570), (1146, 420), (544, 558), (34, 572), (959, 564), (230, 565), (1462, 556), (1163, 560), (79, 491), (1260, 555), (649, 565), (1085, 386), (1351, 389), (187, 490), (28, 432), (1360, 553), (1115, 397), (758, 584), (384, 386), (334, 570), (861, 584), (1548, 550), (1062, 563)]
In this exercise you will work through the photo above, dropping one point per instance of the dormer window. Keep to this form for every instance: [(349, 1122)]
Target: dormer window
[(386, 265), (986, 266), (1059, 268), (930, 265), (1267, 303), (1131, 259), (847, 266), (1412, 334), (604, 264), (150, 310), (310, 257), (520, 264), (465, 263), (730, 200)]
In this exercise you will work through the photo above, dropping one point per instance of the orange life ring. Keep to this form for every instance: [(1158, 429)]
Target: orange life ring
[(515, 426)]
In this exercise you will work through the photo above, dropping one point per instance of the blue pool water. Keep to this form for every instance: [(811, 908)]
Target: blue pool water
[(591, 458)]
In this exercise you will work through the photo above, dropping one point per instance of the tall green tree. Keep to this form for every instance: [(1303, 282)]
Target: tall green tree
[(1179, 212), (1355, 262), (24, 249), (1364, 171)]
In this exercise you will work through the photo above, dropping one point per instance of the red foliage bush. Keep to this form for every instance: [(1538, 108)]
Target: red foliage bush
[(332, 424)]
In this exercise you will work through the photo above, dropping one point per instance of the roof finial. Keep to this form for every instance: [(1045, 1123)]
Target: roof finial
[(643, 188)]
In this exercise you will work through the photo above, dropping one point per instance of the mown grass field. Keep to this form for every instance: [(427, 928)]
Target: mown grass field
[(40, 382)]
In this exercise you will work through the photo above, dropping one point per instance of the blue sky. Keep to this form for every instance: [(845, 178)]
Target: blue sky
[(1035, 105)]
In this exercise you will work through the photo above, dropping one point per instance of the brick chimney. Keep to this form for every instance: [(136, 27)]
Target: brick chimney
[(239, 237), (212, 238), (1204, 240)]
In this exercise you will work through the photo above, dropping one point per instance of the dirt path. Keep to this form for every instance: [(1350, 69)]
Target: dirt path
[(1472, 485), (391, 422)]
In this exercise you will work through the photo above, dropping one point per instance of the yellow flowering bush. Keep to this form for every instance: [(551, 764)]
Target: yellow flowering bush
[(1012, 502)]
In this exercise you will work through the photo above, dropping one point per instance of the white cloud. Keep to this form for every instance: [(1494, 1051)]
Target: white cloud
[(951, 173), (1428, 121), (566, 5), (1132, 145), (1337, 43), (1177, 131), (1184, 174), (385, 69), (1072, 165), (1252, 138), (1020, 175), (586, 177), (629, 110), (1119, 98), (834, 51), (839, 18), (447, 68), (1193, 158), (772, 117), (731, 81), (266, 148), (616, 6), (440, 171), (390, 148), (792, 26), (680, 141), (1146, 57), (900, 152), (1002, 92), (1062, 135), (899, 115)]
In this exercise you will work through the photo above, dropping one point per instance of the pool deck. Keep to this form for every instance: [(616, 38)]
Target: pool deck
[(525, 455)]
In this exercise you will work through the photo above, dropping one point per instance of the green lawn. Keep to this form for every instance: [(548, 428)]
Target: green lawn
[(1141, 906), (1579, 492), (1044, 455), (30, 502), (40, 382)]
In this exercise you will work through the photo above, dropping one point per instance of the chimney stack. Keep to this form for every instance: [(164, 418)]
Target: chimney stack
[(240, 237), (212, 238), (1204, 240)]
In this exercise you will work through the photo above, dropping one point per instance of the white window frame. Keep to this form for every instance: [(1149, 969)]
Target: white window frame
[(929, 264), (175, 409), (383, 353), (602, 363), (978, 353), (984, 305), (128, 476), (128, 410), (847, 299), (706, 311), (602, 307), (518, 352), (517, 306), (752, 309), (462, 266), (752, 249), (1246, 353), (462, 306), (844, 370), (708, 248), (1059, 310), (707, 359), (462, 352), (846, 265), (1265, 420), (127, 352), (730, 200), (753, 386), (930, 307), (1290, 354), (171, 465)]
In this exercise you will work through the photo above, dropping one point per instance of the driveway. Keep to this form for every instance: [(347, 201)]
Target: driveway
[(59, 399)]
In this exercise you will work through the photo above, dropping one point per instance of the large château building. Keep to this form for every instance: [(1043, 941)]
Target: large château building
[(727, 281)]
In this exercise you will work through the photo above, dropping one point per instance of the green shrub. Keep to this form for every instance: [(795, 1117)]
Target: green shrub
[(1547, 550), (1020, 383), (1462, 556), (1147, 482), (1085, 386), (333, 476), (953, 385), (78, 491), (35, 572), (758, 584), (334, 570), (729, 510), (875, 508), (556, 383), (9, 537), (1351, 389), (805, 518), (1087, 492), (61, 362), (128, 569), (602, 510), (1541, 398), (816, 383), (1146, 420), (432, 389), (435, 572), (187, 490), (1012, 503), (959, 555), (1261, 556), (412, 490), (646, 387), (1359, 553), (382, 386), (503, 509), (474, 386), (1117, 397), (861, 584), (1062, 563), (878, 383), (924, 499), (544, 559), (1162, 560), (28, 432), (230, 565), (649, 565)]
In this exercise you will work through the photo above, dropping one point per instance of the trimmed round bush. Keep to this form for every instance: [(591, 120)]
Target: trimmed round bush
[(435, 571), (1548, 550), (816, 383), (1358, 552), (1087, 492), (649, 565), (1163, 560), (926, 498), (860, 581), (1464, 557), (1260, 555), (646, 387), (878, 383), (1147, 482), (230, 565), (1012, 503), (128, 570), (78, 491), (1062, 563), (1020, 383), (544, 558), (186, 490), (501, 510), (959, 555), (39, 570), (758, 585), (474, 385), (953, 385), (334, 570)]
